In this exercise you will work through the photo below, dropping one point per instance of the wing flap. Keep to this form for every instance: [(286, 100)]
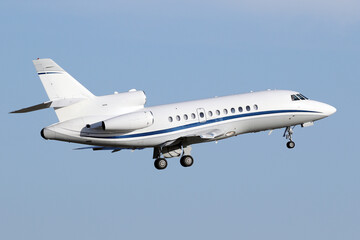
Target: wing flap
[(208, 135)]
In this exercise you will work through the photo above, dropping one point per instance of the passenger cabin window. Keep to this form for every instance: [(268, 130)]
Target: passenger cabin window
[(186, 117), (202, 114), (225, 111), (210, 113), (193, 116), (240, 109), (218, 112), (247, 108), (233, 110), (256, 107), (170, 119), (178, 117)]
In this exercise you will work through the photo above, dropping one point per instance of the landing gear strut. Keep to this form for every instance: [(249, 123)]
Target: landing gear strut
[(288, 134)]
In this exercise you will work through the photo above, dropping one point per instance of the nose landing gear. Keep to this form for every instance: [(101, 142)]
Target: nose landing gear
[(290, 144), (288, 135)]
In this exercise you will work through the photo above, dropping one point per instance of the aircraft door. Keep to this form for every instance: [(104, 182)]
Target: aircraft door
[(201, 115)]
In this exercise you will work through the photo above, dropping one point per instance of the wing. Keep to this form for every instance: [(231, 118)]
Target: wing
[(112, 149), (204, 136)]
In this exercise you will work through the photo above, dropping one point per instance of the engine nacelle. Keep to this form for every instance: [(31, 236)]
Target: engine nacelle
[(129, 121)]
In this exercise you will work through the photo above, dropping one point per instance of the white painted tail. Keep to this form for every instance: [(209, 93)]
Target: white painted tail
[(58, 83), (62, 89), (72, 100)]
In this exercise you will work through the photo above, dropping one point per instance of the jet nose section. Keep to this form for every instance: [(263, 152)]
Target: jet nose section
[(328, 109), (332, 110)]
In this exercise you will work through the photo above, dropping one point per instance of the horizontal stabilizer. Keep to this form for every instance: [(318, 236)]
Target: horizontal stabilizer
[(33, 108), (57, 103)]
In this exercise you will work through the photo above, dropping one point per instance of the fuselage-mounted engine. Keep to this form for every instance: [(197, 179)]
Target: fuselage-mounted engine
[(129, 121)]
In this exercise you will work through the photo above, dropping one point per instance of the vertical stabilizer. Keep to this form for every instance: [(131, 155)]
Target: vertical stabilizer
[(58, 83)]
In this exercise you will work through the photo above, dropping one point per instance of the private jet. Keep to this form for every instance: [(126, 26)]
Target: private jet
[(121, 120)]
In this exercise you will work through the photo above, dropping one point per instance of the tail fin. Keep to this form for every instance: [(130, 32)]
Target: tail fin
[(72, 100), (58, 83)]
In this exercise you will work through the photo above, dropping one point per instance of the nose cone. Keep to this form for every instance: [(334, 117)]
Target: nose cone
[(328, 109)]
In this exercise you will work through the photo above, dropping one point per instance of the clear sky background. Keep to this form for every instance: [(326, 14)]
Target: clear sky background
[(247, 187)]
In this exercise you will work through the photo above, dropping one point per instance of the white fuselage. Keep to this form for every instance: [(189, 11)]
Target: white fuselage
[(121, 120), (199, 121)]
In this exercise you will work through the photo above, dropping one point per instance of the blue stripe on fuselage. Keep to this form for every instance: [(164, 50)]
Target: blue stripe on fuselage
[(191, 125)]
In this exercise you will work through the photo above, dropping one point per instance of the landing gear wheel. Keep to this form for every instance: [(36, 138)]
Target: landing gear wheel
[(160, 163), (290, 144), (186, 161)]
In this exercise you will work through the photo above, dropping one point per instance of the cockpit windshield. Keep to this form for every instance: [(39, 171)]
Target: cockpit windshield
[(297, 97)]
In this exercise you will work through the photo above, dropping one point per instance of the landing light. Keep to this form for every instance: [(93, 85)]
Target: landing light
[(228, 134), (307, 124)]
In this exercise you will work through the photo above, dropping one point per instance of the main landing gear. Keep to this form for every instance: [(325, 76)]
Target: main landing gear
[(288, 134), (160, 163), (186, 159)]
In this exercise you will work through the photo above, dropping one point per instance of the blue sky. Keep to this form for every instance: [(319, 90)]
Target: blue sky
[(249, 187)]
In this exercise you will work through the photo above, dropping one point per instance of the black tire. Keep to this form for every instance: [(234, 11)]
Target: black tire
[(290, 144), (160, 163), (186, 161)]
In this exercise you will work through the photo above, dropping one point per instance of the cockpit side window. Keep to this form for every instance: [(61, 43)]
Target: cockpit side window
[(297, 97), (303, 96), (294, 98)]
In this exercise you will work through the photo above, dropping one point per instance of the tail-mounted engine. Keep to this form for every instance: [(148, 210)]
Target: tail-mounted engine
[(129, 121)]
